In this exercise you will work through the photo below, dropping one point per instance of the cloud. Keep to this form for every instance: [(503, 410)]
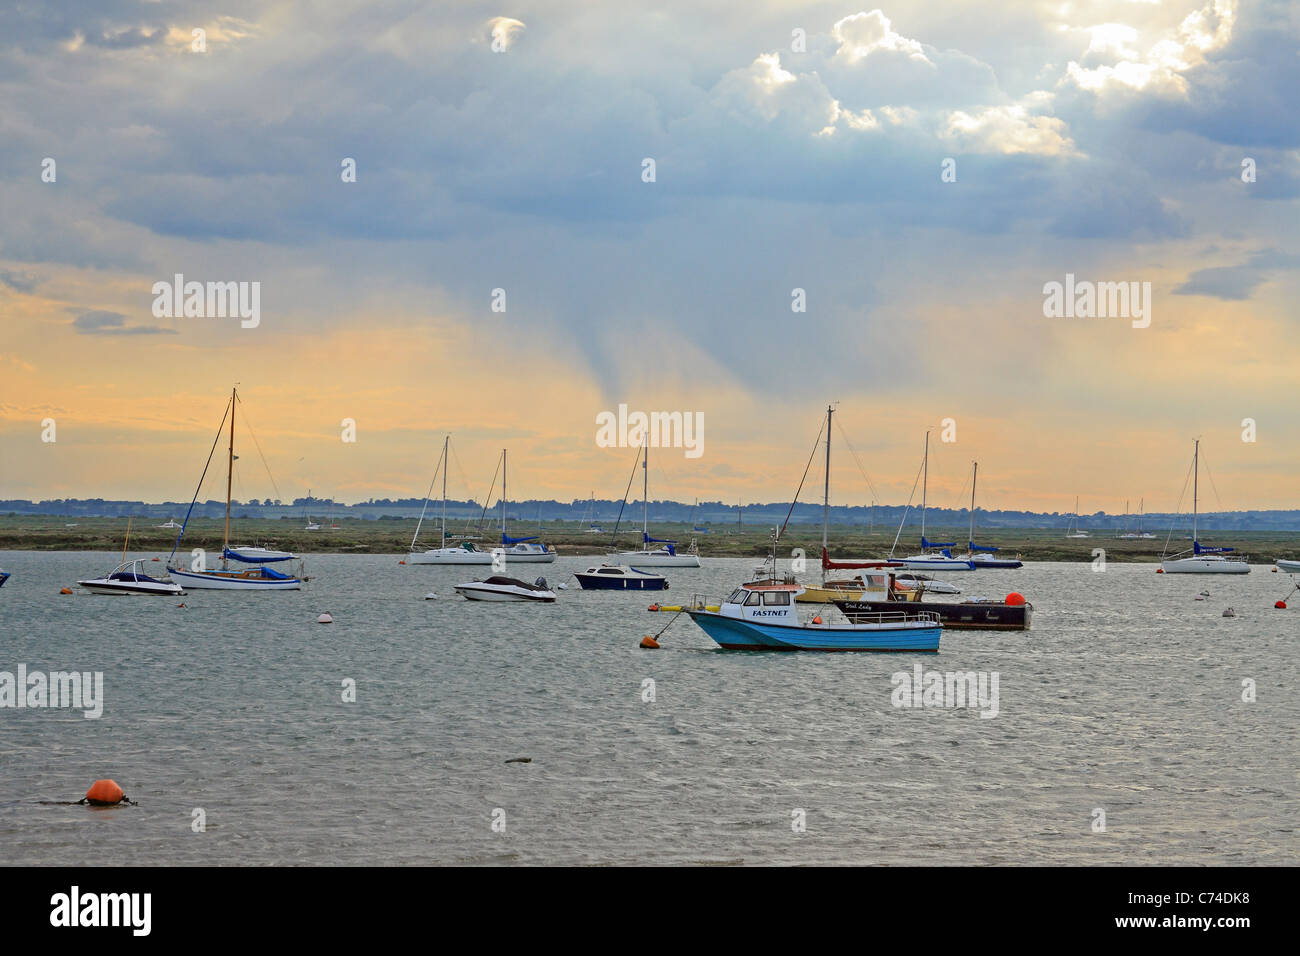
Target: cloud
[(18, 281), (103, 322), (1238, 283), (1008, 130), (863, 34), (1161, 70)]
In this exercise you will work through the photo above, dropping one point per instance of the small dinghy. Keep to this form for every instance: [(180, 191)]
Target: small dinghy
[(500, 588), (615, 577), (4, 576), (1290, 567), (129, 579)]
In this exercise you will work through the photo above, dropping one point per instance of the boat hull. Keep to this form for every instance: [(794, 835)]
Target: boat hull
[(609, 582), (1290, 567), (4, 576), (955, 615), (996, 563), (650, 559), (936, 564), (458, 556), (473, 593), (827, 593), (1204, 566), (740, 635), (107, 586), (249, 580)]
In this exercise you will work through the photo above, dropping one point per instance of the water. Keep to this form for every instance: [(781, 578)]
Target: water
[(1125, 697)]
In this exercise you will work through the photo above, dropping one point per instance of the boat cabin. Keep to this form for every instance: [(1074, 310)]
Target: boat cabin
[(772, 603)]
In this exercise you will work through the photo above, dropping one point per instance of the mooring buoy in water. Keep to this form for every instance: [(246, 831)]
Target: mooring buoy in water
[(401, 562), (431, 596), (104, 793), (1280, 605), (649, 643), (1229, 612), (325, 619), (65, 590)]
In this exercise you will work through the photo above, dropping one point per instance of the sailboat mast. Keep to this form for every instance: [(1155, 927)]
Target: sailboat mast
[(503, 496), (445, 443), (826, 493), (1196, 475), (230, 473), (645, 493), (975, 471), (925, 481)]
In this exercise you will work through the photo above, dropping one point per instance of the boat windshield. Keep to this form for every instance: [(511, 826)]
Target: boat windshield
[(736, 597)]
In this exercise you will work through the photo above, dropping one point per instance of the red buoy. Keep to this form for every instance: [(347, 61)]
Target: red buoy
[(1280, 605), (1160, 570), (1015, 599), (104, 793), (653, 607)]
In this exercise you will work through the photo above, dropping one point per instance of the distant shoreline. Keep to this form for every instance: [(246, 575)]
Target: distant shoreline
[(359, 536)]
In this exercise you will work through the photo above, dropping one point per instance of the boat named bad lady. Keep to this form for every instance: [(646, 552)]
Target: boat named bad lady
[(762, 616), (251, 571)]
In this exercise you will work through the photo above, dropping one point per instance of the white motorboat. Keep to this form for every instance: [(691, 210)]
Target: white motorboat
[(1202, 560), (500, 588), (128, 578), (649, 557), (1290, 567), (255, 554), (930, 584)]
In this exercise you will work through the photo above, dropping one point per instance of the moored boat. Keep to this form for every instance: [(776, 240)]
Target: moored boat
[(1012, 613), (763, 617), (935, 555), (4, 576), (1290, 567), (650, 557), (128, 578), (1202, 560), (979, 555), (250, 572), (501, 588), (614, 577)]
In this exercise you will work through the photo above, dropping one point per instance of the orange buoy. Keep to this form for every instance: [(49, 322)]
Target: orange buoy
[(817, 619), (104, 793), (1015, 599), (401, 562), (157, 559), (1280, 605), (65, 590), (649, 643), (653, 607)]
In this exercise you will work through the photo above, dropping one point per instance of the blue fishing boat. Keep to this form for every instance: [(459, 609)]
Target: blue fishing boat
[(761, 616), (4, 576)]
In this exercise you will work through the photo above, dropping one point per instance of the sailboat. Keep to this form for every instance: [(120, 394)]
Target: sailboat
[(939, 559), (1202, 560), (850, 589), (1072, 530), (589, 516), (312, 525), (465, 553), (128, 578), (648, 557), (254, 575), (528, 550), (983, 556), (1138, 533)]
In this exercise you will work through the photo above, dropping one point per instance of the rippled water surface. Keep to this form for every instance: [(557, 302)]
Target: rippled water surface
[(1125, 697)]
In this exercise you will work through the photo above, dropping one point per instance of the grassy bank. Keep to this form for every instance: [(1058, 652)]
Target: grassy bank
[(353, 536)]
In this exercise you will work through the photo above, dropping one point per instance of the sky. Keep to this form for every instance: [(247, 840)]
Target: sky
[(921, 171)]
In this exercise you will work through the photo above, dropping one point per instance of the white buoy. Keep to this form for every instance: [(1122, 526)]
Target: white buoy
[(431, 596), (1229, 612), (1200, 597), (325, 619), (561, 587)]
